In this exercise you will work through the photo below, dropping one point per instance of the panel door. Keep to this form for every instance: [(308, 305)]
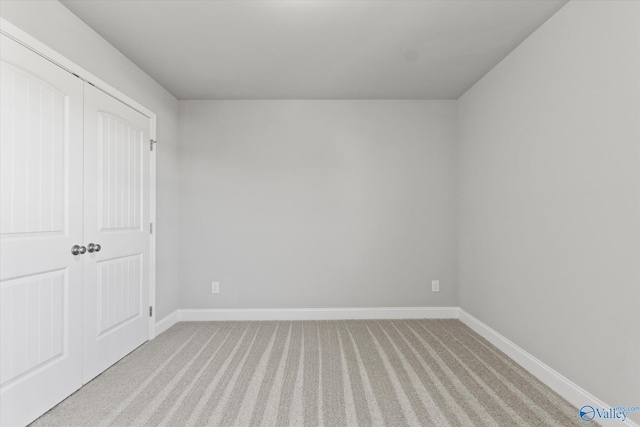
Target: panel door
[(116, 189), (40, 220)]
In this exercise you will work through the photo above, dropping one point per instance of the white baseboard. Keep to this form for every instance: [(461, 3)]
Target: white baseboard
[(167, 322), (321, 313), (220, 314), (573, 393)]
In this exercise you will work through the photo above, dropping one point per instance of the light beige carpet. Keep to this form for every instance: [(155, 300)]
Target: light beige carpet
[(308, 373)]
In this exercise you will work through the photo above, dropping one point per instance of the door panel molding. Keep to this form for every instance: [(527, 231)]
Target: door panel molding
[(54, 281), (40, 48), (40, 280), (116, 191)]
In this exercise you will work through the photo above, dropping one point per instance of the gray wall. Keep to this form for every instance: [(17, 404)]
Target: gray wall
[(317, 203), (54, 25), (549, 186), (351, 203)]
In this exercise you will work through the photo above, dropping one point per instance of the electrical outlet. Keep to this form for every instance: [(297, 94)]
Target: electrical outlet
[(215, 287), (435, 286)]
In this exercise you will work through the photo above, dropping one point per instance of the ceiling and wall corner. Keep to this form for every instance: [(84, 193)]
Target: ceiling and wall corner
[(315, 49), (541, 97)]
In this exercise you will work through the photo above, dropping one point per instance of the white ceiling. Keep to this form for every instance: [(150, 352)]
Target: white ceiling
[(315, 49)]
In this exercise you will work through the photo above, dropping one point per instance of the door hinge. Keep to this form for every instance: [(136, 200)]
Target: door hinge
[(151, 142), (150, 310), (151, 228)]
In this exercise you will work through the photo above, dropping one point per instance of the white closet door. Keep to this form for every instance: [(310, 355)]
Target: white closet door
[(116, 189), (41, 219)]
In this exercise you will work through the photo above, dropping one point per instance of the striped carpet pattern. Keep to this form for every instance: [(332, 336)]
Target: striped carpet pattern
[(312, 373)]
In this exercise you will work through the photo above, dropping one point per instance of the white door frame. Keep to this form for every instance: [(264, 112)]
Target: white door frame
[(45, 51)]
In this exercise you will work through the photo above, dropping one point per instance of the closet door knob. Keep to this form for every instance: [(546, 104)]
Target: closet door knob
[(78, 250), (93, 247), (97, 247)]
